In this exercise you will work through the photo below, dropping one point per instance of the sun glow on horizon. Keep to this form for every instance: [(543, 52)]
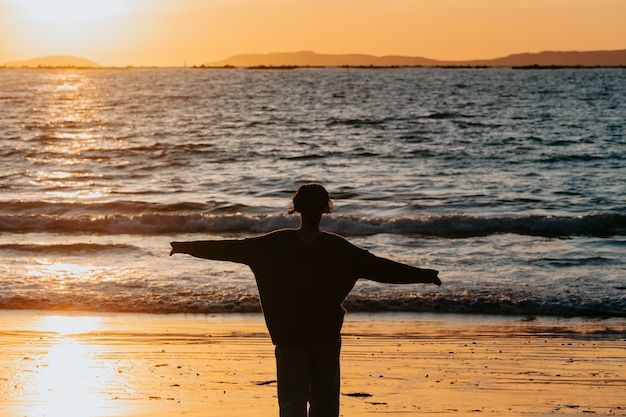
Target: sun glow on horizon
[(64, 27), (64, 11), (170, 32)]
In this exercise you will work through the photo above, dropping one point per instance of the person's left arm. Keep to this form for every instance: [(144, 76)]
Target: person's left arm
[(385, 270)]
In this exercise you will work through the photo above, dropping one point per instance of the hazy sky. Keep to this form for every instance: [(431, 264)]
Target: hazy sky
[(171, 32)]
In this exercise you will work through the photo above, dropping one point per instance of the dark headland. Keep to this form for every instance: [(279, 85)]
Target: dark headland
[(54, 61), (312, 59)]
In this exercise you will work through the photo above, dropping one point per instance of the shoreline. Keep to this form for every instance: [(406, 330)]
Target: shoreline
[(135, 365), (296, 67)]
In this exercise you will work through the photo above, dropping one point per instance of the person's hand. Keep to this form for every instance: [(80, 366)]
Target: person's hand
[(435, 279)]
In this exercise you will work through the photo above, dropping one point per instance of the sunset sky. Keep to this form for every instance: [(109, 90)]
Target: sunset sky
[(172, 32)]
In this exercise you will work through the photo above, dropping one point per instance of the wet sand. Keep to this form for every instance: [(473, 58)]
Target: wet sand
[(85, 364)]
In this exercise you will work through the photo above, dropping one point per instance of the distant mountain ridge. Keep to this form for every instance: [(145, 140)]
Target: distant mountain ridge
[(308, 58), (54, 61), (615, 58)]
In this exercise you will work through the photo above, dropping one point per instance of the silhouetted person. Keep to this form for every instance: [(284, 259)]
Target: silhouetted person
[(303, 276)]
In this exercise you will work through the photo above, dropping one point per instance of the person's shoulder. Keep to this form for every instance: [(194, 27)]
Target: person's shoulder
[(274, 235), (336, 239), (338, 246), (282, 233)]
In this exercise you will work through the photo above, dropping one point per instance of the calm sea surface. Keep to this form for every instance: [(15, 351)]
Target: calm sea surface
[(512, 183)]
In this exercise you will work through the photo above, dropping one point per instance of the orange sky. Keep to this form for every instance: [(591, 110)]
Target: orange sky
[(172, 32)]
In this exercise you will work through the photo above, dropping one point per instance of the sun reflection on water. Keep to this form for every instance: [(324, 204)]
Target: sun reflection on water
[(61, 272), (71, 132)]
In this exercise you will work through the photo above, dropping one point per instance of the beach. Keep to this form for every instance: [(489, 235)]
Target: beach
[(119, 364)]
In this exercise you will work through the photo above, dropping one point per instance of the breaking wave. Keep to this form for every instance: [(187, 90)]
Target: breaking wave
[(222, 302), (157, 219)]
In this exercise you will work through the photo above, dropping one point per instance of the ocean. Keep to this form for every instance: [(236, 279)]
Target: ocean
[(511, 183)]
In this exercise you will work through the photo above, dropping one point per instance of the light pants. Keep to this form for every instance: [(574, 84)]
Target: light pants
[(308, 374)]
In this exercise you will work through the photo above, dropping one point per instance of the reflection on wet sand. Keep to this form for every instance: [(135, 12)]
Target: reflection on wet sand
[(60, 373)]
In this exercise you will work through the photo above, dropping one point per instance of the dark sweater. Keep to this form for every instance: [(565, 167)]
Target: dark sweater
[(302, 288)]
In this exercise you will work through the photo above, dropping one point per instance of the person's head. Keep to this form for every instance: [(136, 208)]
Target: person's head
[(311, 199)]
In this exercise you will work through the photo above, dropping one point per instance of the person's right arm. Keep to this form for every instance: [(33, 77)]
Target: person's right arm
[(219, 250)]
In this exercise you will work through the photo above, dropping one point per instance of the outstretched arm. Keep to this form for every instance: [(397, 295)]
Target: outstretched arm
[(219, 250), (388, 271)]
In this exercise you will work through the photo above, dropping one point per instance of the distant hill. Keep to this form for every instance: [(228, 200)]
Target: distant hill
[(308, 58), (555, 58), (55, 61), (313, 59)]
